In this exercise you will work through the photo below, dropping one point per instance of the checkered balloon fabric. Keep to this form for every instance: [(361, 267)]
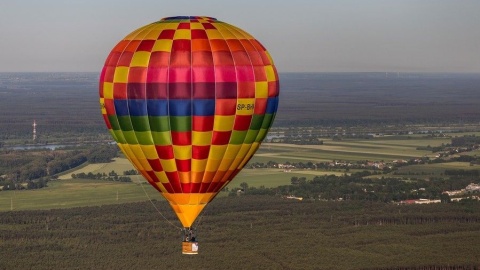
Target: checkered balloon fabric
[(189, 100)]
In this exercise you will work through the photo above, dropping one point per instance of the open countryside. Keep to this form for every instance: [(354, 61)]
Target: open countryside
[(373, 151), (341, 182)]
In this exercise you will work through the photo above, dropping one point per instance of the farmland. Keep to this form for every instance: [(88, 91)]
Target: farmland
[(74, 193), (67, 192), (353, 150), (361, 124)]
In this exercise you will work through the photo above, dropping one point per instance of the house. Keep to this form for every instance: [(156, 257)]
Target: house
[(408, 202), (426, 201), (473, 187), (454, 192), (294, 198)]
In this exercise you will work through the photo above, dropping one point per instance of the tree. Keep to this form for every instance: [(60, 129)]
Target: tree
[(445, 198), (302, 180), (294, 180), (244, 186)]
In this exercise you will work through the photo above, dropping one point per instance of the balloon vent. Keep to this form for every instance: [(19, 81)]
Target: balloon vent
[(179, 18)]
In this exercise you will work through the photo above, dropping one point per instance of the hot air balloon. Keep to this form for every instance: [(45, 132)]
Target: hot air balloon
[(188, 100)]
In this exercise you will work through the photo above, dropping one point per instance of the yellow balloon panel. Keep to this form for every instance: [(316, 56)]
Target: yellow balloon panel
[(188, 100)]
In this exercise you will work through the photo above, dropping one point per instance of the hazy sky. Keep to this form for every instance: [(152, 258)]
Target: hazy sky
[(301, 35)]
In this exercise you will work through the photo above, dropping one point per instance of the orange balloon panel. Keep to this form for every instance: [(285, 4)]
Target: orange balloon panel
[(189, 100)]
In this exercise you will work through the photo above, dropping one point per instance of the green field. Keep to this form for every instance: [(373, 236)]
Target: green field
[(67, 192), (119, 166), (272, 177), (99, 224), (75, 193), (435, 169), (381, 148)]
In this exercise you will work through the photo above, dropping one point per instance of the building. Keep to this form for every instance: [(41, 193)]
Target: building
[(473, 187)]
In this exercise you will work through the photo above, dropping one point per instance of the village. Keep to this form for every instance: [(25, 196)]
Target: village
[(454, 195)]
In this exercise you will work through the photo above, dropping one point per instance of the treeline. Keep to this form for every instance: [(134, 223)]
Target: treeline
[(357, 187), (102, 153), (462, 172), (465, 140), (466, 143), (111, 176), (38, 165), (24, 169)]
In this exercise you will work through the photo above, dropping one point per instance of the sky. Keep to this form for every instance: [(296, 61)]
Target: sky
[(301, 35)]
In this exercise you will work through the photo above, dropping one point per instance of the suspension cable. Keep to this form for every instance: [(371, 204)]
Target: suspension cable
[(154, 206)]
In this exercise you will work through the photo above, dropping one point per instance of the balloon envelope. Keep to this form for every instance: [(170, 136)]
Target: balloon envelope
[(189, 100)]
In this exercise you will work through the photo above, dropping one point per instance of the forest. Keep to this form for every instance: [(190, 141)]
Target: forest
[(26, 169), (359, 187), (66, 109), (345, 220), (246, 232)]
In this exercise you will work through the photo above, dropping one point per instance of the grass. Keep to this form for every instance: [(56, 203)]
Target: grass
[(75, 193), (435, 169), (119, 166), (67, 192), (273, 177), (382, 148)]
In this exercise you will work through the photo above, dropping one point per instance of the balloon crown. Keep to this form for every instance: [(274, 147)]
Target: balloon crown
[(176, 18)]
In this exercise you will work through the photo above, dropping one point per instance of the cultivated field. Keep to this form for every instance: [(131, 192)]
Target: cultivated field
[(67, 192), (75, 193), (382, 148), (435, 169), (119, 166)]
